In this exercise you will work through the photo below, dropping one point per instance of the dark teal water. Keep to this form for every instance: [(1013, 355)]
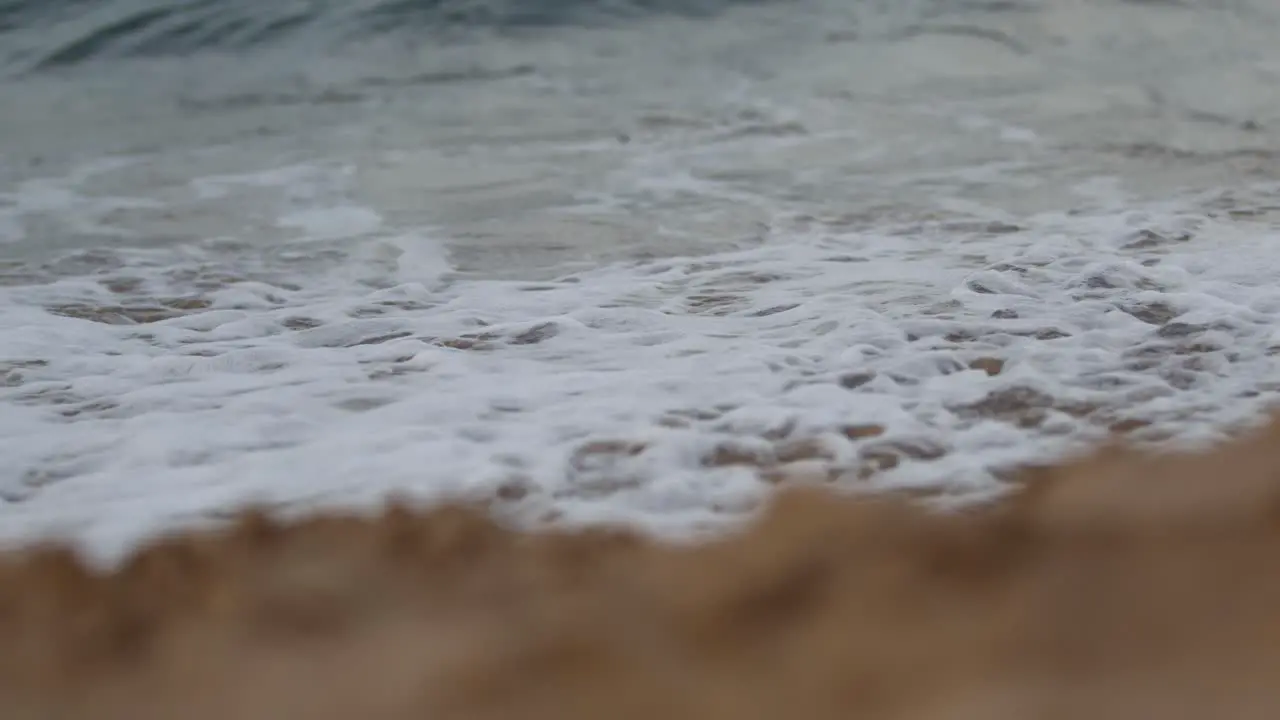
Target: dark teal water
[(39, 35), (44, 35)]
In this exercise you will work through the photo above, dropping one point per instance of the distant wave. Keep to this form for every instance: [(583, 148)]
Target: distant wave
[(38, 35)]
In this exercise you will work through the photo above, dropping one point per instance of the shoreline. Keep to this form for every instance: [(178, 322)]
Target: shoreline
[(1119, 584)]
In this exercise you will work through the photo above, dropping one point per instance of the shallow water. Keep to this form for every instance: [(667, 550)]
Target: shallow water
[(639, 266)]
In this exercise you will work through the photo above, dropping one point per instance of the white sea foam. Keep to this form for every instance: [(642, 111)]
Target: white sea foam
[(649, 392)]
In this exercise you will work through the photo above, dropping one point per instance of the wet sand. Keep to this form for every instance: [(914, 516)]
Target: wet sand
[(1116, 586)]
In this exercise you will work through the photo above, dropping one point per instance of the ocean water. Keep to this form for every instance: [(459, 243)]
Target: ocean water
[(611, 260)]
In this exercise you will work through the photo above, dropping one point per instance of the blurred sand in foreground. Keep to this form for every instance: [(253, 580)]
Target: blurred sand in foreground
[(1118, 586)]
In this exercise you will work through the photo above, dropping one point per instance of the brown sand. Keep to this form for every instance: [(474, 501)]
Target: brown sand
[(1115, 587)]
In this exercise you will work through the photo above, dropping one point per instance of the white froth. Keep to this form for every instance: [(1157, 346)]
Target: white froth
[(332, 223), (606, 395)]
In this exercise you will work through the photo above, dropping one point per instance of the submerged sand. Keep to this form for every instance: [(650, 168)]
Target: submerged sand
[(1117, 586)]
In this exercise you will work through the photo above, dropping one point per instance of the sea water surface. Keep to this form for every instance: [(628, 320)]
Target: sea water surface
[(613, 260)]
